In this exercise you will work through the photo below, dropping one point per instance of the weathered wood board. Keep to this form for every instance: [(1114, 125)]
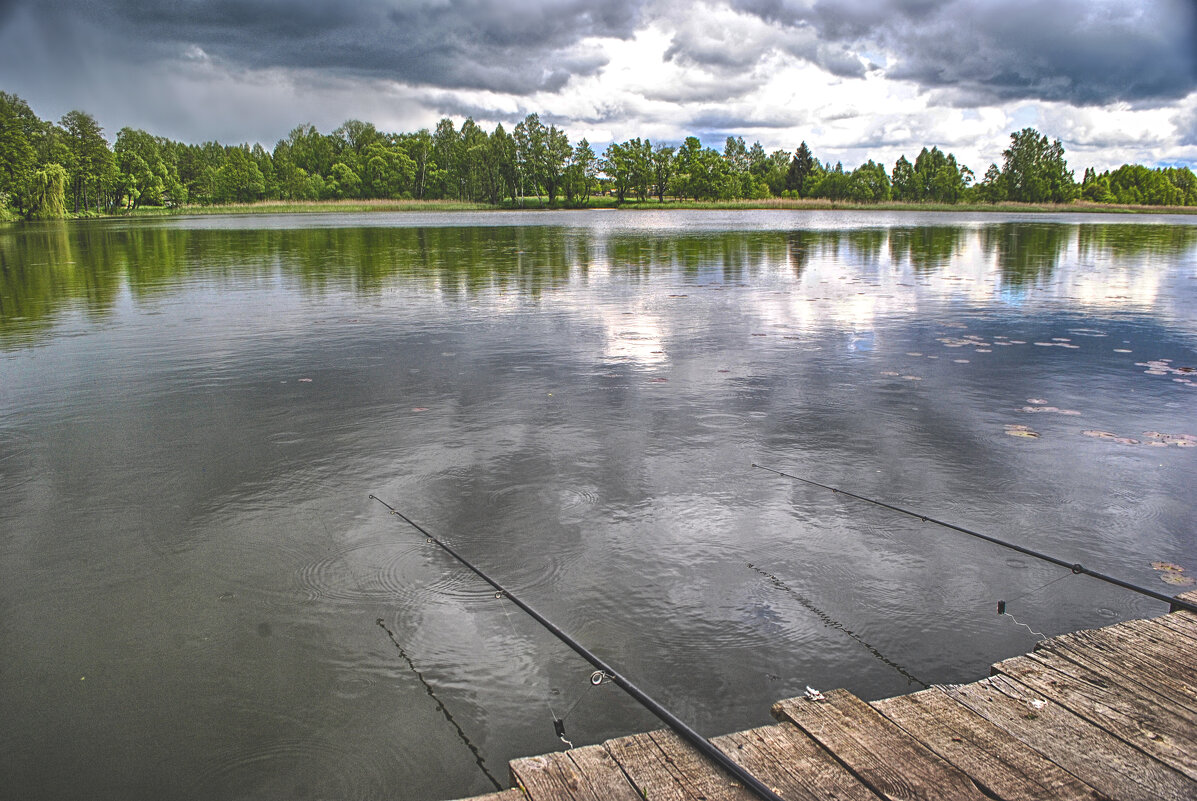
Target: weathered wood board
[(1106, 713)]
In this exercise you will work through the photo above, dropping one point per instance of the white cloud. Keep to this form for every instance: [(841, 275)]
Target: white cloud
[(771, 70)]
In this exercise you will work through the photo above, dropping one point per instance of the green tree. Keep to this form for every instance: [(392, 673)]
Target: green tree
[(446, 152), (801, 171), (834, 184), (357, 135), (617, 165), (418, 147), (992, 188), (685, 163), (387, 170), (531, 142), (663, 166), (581, 174), (503, 154), (238, 180), (556, 155), (640, 166), (90, 167), (344, 181), (265, 161), (145, 177), (737, 163), (47, 198), (902, 181), (778, 168), (869, 183), (17, 156), (1035, 171), (310, 150), (709, 177)]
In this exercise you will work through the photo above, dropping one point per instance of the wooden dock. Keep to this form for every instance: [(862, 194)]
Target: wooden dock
[(1104, 714)]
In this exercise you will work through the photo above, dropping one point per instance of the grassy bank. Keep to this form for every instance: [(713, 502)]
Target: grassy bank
[(607, 202)]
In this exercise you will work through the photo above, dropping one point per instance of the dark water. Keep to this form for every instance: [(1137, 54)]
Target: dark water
[(193, 413)]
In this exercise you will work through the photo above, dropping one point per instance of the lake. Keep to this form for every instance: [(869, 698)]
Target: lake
[(199, 600)]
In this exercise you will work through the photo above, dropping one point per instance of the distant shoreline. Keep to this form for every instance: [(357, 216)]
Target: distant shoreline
[(609, 203)]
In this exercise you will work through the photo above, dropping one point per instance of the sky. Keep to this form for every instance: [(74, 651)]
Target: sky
[(1114, 80)]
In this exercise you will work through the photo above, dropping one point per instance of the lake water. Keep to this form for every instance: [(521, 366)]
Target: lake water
[(198, 599)]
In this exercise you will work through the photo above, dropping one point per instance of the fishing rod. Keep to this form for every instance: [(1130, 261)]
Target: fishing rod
[(705, 746), (1077, 568)]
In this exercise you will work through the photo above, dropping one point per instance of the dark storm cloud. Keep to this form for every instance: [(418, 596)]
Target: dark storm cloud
[(516, 46), (979, 51)]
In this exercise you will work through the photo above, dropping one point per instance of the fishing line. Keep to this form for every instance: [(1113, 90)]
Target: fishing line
[(558, 722), (832, 623), (1001, 605), (702, 744), (1038, 634), (1038, 589), (440, 705), (478, 758), (1175, 603)]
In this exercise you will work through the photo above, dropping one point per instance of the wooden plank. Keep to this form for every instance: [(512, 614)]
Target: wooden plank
[(1133, 648), (996, 761), (1112, 658), (514, 794), (1168, 627), (892, 763), (663, 767), (1142, 719), (1182, 622), (1147, 645), (580, 774), (1088, 752), (1159, 640), (792, 764), (1190, 596)]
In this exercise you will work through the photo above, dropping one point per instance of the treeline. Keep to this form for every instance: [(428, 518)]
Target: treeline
[(51, 169)]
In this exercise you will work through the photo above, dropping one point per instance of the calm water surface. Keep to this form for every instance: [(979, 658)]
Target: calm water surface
[(199, 601)]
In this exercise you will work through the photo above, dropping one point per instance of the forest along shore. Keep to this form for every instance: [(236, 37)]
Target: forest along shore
[(68, 168)]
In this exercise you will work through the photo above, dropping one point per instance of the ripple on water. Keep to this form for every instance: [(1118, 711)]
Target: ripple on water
[(308, 767), (14, 451), (364, 572), (560, 497), (720, 421)]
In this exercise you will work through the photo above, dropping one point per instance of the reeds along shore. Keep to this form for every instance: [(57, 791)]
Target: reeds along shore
[(609, 203)]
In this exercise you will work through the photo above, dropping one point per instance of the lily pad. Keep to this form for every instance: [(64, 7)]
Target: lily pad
[(1177, 579), (1021, 431), (1052, 409), (1168, 567)]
